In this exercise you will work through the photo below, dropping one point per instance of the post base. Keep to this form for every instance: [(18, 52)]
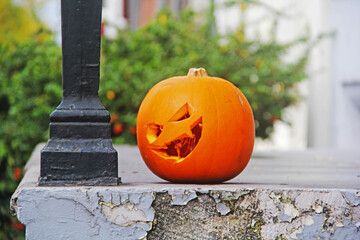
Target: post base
[(79, 162)]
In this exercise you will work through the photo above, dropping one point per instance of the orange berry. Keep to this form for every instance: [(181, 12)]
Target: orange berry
[(113, 119), (110, 95), (117, 129), (17, 174), (17, 225), (132, 130), (273, 119)]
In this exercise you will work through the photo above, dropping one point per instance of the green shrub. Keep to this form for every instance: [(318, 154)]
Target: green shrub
[(30, 88), (135, 61)]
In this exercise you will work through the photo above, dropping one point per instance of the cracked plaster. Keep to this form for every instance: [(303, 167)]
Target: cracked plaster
[(128, 213)]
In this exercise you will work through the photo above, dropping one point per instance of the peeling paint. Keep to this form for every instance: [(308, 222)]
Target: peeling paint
[(201, 219), (182, 197), (110, 205), (201, 213), (230, 195), (308, 220), (291, 211), (353, 197), (222, 208), (123, 215), (318, 208), (308, 214)]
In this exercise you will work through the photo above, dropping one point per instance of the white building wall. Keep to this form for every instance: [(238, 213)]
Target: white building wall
[(346, 69), (320, 95), (113, 15)]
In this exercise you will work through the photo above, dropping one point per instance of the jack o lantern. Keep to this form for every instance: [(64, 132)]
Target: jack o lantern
[(195, 129)]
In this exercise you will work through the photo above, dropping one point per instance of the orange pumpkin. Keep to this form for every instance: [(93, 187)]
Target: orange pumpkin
[(195, 129)]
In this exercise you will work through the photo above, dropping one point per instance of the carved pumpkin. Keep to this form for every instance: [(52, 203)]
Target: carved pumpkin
[(195, 129)]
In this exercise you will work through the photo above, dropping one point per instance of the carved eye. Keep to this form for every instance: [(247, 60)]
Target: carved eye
[(178, 136)]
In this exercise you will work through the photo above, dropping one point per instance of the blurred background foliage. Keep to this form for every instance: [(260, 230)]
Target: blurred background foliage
[(30, 79), (169, 45), (18, 24)]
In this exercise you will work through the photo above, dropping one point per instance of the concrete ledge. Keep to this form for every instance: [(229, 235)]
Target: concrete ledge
[(293, 195)]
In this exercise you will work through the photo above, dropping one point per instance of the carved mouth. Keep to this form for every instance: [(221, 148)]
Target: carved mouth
[(178, 137)]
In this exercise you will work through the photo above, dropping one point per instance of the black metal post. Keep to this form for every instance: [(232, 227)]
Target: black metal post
[(79, 150)]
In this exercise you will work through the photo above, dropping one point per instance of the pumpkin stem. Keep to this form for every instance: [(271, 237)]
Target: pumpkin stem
[(197, 72)]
